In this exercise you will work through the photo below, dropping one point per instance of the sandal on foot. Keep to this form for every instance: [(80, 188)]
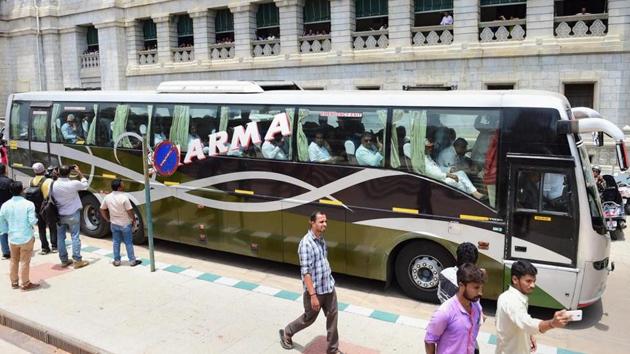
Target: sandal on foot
[(286, 343), (15, 285)]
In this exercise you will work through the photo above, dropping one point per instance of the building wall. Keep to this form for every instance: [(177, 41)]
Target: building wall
[(541, 61)]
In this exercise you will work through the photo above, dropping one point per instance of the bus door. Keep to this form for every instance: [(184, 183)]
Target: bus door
[(543, 225), (39, 123)]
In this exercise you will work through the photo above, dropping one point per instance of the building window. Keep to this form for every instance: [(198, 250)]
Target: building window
[(580, 18), (368, 88), (149, 34), (184, 31), (580, 95), (428, 14), (429, 88), (501, 10), (92, 39), (502, 20), (316, 17), (267, 21), (371, 15), (224, 26), (499, 86)]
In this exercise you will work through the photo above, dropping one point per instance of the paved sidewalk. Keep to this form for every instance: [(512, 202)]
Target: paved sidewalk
[(177, 309)]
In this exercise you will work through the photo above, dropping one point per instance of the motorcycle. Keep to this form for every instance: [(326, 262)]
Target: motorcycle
[(613, 208)]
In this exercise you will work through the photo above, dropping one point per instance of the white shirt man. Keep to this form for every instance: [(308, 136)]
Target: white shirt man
[(463, 182), (367, 154), (272, 151), (66, 194), (447, 19)]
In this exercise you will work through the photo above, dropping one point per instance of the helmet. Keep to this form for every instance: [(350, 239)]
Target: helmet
[(596, 168)]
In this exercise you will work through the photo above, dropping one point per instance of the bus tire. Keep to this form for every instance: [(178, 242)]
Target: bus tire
[(418, 266), (137, 228), (92, 224), (616, 234)]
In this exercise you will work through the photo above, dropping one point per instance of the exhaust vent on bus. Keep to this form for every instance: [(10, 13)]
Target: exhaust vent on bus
[(209, 87)]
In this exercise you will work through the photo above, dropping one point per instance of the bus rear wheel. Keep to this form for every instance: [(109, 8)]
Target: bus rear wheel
[(92, 224), (418, 266)]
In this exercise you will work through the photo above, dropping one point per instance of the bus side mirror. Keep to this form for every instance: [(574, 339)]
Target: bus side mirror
[(598, 139)]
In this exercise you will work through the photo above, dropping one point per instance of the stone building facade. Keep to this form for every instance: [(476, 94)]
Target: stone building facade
[(322, 44)]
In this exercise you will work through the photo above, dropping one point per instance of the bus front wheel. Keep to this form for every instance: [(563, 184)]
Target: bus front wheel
[(137, 228), (418, 266), (92, 224)]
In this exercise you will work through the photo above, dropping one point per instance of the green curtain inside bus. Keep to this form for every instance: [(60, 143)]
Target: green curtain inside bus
[(39, 127), (418, 136), (395, 156), (225, 117), (432, 5), (370, 8), (184, 26), (55, 116), (267, 15), (179, 128), (316, 11), (302, 140), (291, 114), (120, 125), (92, 36), (91, 136), (224, 21), (15, 121), (149, 30)]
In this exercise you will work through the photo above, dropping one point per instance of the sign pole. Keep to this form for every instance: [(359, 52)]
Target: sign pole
[(147, 197)]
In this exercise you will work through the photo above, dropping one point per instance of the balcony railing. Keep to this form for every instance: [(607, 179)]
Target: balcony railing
[(315, 43), (432, 35), (581, 26), (501, 31), (221, 50), (266, 47), (181, 55), (148, 56), (370, 39), (89, 60)]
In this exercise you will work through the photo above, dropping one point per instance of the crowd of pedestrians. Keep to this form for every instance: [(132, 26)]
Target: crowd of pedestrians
[(52, 201)]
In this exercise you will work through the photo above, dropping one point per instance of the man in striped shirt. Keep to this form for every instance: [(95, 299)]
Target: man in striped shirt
[(319, 286)]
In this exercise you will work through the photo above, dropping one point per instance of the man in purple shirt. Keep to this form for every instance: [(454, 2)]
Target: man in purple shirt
[(455, 324)]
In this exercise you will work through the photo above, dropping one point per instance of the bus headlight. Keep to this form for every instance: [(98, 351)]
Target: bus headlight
[(599, 265)]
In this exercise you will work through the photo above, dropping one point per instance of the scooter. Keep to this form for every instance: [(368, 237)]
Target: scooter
[(612, 206)]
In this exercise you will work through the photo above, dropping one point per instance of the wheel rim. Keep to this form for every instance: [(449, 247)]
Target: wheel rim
[(135, 226), (90, 217), (424, 272)]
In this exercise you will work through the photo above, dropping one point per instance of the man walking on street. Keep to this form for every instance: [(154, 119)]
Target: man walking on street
[(117, 210), (5, 194), (17, 218), (66, 193), (319, 286), (515, 327), (37, 193), (455, 324)]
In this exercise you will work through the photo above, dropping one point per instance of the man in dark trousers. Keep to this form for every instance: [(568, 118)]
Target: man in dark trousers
[(5, 194), (42, 184), (319, 286)]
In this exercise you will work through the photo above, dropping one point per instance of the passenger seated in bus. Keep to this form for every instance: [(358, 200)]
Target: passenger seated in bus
[(457, 179), (444, 138), (453, 158), (71, 130), (158, 135), (369, 154), (273, 149), (528, 190), (487, 126), (319, 149), (554, 196)]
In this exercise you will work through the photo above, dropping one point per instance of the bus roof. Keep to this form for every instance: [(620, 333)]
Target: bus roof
[(457, 98)]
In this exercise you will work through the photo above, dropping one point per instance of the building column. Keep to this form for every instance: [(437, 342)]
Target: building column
[(72, 46), (342, 24), (163, 28), (291, 24), (135, 41), (244, 29), (619, 20), (113, 57), (401, 16), (540, 15), (200, 20), (466, 21), (52, 59)]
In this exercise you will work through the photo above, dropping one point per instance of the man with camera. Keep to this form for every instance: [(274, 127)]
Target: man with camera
[(65, 192), (37, 192)]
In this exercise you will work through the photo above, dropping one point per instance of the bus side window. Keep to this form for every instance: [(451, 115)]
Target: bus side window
[(19, 121), (105, 121), (161, 123), (137, 120), (528, 190)]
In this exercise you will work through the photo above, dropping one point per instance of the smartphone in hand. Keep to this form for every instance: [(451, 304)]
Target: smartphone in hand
[(575, 315)]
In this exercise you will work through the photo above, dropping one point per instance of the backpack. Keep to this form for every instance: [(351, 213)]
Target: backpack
[(49, 211), (34, 193)]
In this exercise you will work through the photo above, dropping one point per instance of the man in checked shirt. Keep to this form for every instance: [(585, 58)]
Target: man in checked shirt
[(319, 286)]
